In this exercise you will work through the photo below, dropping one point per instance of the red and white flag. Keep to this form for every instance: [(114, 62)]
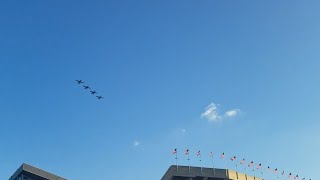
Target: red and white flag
[(259, 166), (186, 152), (243, 161), (233, 158), (290, 175), (211, 154), (222, 155), (275, 171), (250, 164), (174, 151), (296, 177), (198, 153), (268, 169)]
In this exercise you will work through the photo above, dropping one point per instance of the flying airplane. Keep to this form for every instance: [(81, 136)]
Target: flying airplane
[(93, 92), (86, 87), (99, 97), (79, 81)]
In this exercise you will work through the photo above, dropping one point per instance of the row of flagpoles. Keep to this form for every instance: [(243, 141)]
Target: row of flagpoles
[(242, 162)]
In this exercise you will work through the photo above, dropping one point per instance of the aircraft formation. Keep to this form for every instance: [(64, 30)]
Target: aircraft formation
[(87, 87)]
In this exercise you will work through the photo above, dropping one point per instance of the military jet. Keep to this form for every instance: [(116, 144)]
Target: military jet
[(79, 81), (93, 92), (86, 87), (99, 97)]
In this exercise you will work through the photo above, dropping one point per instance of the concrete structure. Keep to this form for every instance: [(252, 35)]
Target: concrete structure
[(195, 173), (27, 172)]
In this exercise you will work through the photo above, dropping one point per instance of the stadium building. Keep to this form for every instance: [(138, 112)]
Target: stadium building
[(198, 173)]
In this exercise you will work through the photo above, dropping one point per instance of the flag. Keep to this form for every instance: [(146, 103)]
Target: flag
[(174, 151), (211, 154), (198, 153), (290, 175), (243, 161), (296, 177), (259, 166), (222, 155), (233, 158), (303, 178), (268, 169), (186, 152), (282, 173), (275, 171), (250, 164)]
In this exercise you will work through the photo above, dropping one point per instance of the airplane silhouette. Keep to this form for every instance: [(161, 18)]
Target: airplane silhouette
[(99, 97), (93, 92), (86, 87), (79, 81)]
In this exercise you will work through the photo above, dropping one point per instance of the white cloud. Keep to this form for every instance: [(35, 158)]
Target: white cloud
[(136, 143), (183, 131), (232, 113), (211, 113)]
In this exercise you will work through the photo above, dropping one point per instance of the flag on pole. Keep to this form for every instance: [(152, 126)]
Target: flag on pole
[(174, 151), (186, 152), (282, 173), (290, 175), (275, 171), (233, 158), (198, 153), (296, 177), (268, 169), (250, 164), (259, 166), (222, 155), (243, 161), (211, 154)]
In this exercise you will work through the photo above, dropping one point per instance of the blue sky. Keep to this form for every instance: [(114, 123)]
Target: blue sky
[(159, 65)]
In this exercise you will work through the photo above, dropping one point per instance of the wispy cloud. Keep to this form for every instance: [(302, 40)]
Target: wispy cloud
[(183, 131), (136, 143), (212, 114), (232, 113)]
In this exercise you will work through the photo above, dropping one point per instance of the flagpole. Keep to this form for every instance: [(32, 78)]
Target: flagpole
[(236, 167), (254, 172), (214, 171), (200, 164), (236, 164), (270, 175), (177, 161), (189, 162), (225, 164)]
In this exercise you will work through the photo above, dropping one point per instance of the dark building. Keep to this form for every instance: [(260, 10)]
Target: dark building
[(198, 173), (27, 172)]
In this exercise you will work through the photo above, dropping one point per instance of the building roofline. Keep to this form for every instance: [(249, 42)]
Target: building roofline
[(193, 172), (35, 171)]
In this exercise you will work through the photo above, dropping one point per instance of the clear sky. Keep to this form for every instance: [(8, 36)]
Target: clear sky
[(159, 65)]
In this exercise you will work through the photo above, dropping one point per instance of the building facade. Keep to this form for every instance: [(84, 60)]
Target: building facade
[(200, 173)]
